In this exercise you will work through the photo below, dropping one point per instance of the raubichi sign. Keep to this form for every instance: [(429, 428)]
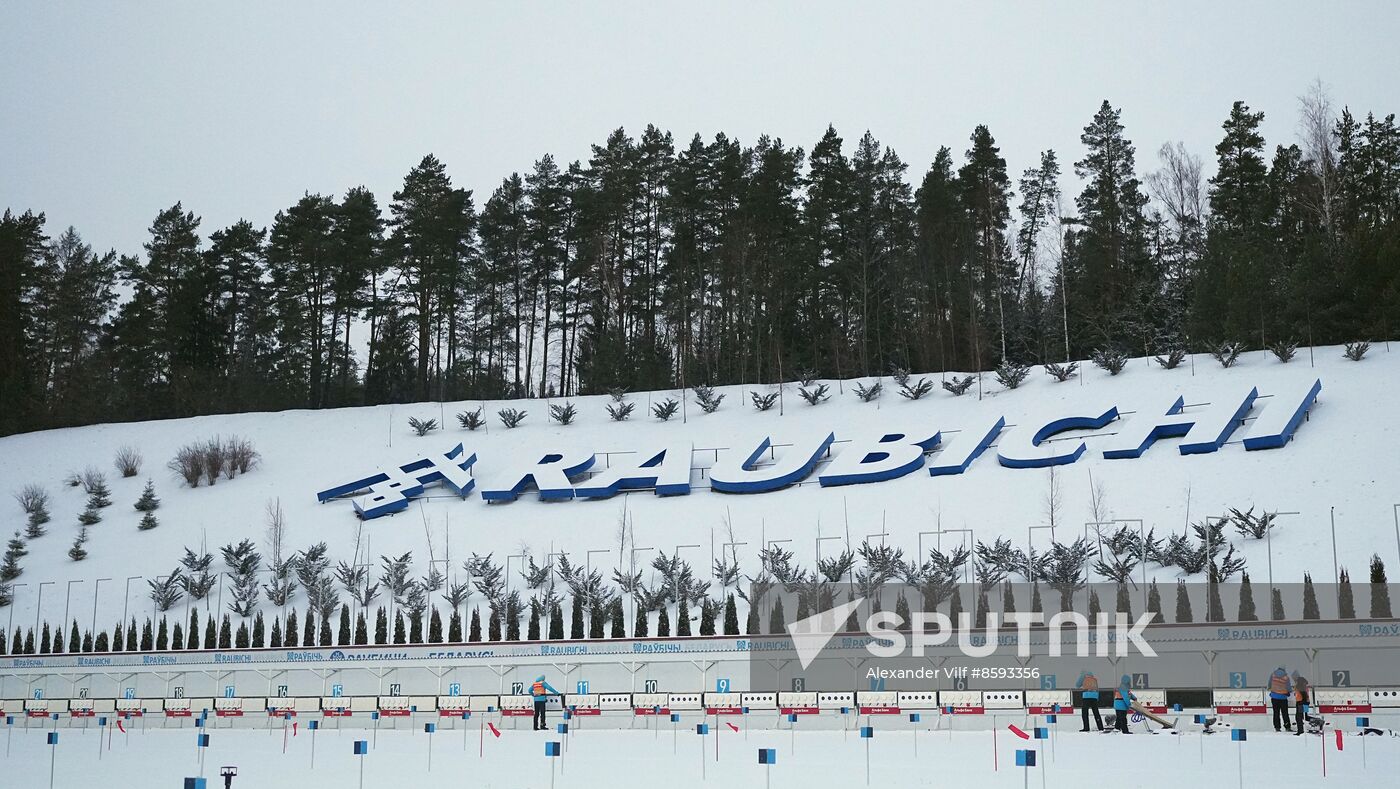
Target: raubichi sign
[(666, 469)]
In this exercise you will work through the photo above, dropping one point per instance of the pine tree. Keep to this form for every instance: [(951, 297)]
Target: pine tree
[(308, 628), (257, 631), (556, 623), (776, 623), (361, 629), (45, 641), (148, 501), (1310, 610), (532, 628), (87, 645), (1276, 604), (615, 618), (682, 617), (225, 633), (955, 606), (751, 623), (240, 636), (102, 645), (193, 630), (493, 627), (474, 628), (663, 622), (1154, 603), (211, 633), (147, 637), (132, 642), (1122, 603), (1346, 603), (148, 522), (381, 627), (1380, 590), (707, 617), (75, 643), (274, 639), (435, 627), (1095, 608), (1183, 604), (454, 627), (1247, 612), (289, 636), (731, 616), (400, 636), (78, 553), (342, 632), (162, 636), (29, 641), (14, 551), (323, 633), (576, 619), (640, 625)]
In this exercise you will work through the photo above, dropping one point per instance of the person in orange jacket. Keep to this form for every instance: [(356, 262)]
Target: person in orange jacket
[(1088, 685), (1280, 688), (1303, 699)]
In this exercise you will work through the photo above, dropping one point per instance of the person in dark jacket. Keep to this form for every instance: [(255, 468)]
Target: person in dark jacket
[(1123, 699), (1303, 699), (1280, 688), (1088, 685), (540, 692)]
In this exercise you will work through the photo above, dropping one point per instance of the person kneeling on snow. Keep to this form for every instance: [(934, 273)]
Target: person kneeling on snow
[(540, 691), (1123, 699), (1301, 699), (1279, 690)]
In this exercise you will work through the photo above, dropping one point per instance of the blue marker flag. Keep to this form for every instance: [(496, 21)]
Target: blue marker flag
[(551, 749), (1198, 719), (1042, 733), (53, 738), (54, 716), (1363, 722), (429, 728), (675, 718), (102, 721), (845, 710), (569, 713), (9, 720), (202, 740), (195, 783), (361, 747), (744, 710), (792, 717), (1025, 758), (656, 710), (1239, 735), (702, 728), (313, 725), (914, 717), (374, 716), (1176, 707), (466, 714), (868, 732), (562, 728), (1051, 718), (767, 756)]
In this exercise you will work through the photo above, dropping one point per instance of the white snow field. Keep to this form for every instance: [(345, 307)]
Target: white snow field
[(160, 759), (1344, 460)]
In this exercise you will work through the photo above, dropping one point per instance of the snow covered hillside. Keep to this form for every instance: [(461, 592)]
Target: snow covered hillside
[(1345, 457)]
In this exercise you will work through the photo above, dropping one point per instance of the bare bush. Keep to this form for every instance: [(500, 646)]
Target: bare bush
[(188, 463), (239, 455), (213, 459), (93, 480), (32, 498), (128, 461)]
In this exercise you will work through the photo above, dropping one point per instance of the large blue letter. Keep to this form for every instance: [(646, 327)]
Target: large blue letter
[(966, 447), (1282, 415), (1025, 447), (550, 475), (390, 490), (731, 475), (1205, 431), (880, 457), (666, 469)]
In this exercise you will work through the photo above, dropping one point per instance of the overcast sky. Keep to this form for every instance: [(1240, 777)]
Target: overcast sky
[(112, 111)]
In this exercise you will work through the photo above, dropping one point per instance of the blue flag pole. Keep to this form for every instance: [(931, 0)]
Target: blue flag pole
[(361, 748), (53, 751)]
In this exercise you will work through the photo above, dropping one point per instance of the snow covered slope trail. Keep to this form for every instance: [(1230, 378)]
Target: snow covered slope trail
[(1345, 457)]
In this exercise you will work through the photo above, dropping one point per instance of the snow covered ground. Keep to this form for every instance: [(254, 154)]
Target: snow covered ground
[(1344, 459), (157, 759)]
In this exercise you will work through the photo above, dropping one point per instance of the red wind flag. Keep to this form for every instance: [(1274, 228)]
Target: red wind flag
[(1018, 732), (120, 727), (1339, 739), (494, 731), (731, 726)]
